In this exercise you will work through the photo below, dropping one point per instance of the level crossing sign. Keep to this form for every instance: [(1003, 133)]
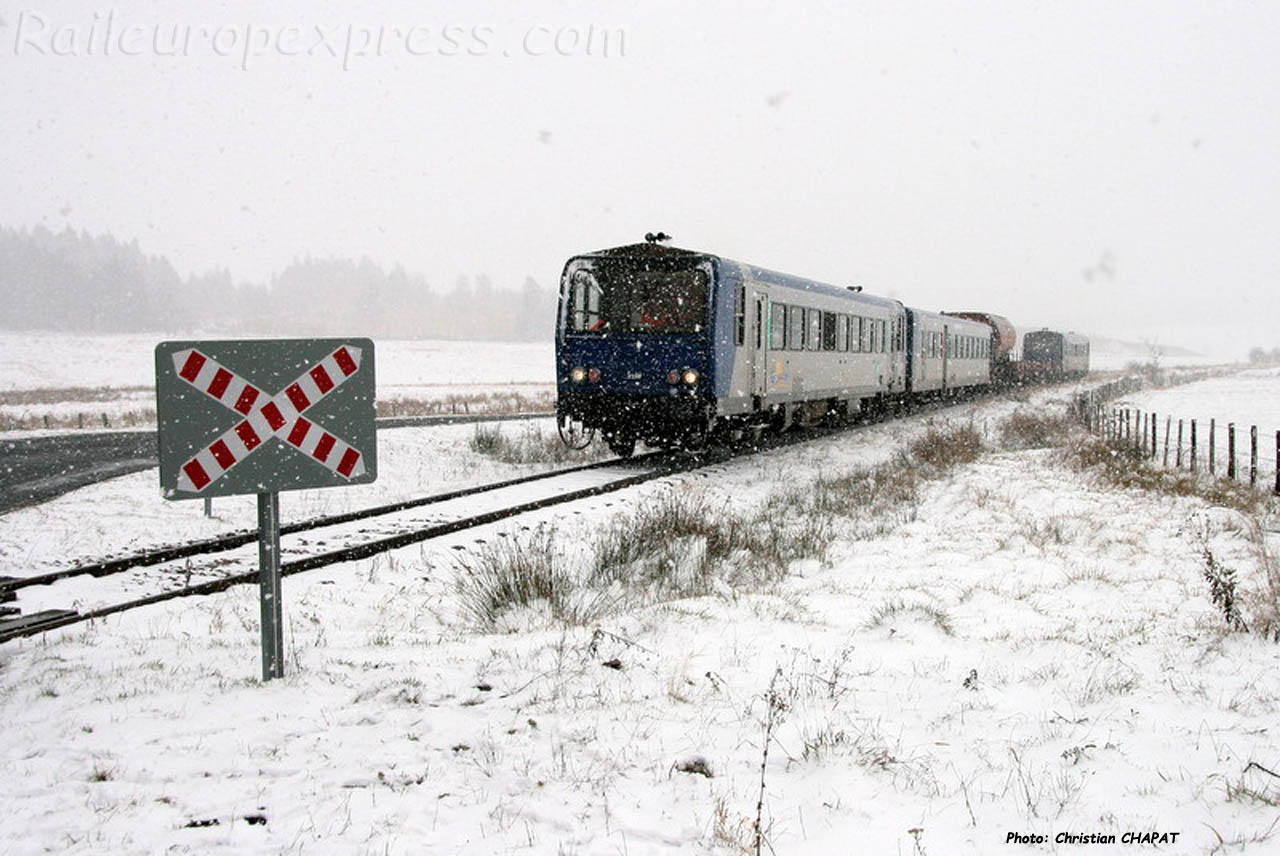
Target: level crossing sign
[(251, 416), (262, 416)]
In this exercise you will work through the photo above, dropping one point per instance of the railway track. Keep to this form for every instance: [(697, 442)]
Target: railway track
[(366, 533), (232, 559)]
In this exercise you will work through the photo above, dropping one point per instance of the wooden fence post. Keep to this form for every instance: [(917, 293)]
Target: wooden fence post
[(1278, 463), (1168, 423), (1179, 464), (1193, 445), (1253, 455), (1231, 451), (1213, 445), (1154, 444)]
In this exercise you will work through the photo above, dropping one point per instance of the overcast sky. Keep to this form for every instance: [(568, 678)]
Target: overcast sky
[(1104, 167)]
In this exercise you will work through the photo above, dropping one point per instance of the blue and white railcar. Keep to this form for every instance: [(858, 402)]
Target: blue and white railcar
[(667, 345)]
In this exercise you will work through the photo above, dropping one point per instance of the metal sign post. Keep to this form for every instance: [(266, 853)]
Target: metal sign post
[(259, 417), (269, 585)]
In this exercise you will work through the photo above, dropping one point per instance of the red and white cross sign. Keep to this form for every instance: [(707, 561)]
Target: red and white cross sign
[(268, 416)]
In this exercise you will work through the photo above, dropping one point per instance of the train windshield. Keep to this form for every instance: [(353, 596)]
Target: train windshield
[(637, 297), (1041, 348)]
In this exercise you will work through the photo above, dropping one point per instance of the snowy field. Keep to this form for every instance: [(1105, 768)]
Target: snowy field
[(85, 365), (1250, 397), (1020, 651)]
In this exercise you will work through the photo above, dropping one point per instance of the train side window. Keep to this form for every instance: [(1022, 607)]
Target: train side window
[(777, 326), (842, 333), (740, 315), (864, 334), (855, 334), (828, 331), (813, 337), (795, 328), (884, 329)]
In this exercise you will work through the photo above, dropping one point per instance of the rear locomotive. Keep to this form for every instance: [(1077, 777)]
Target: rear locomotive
[(1048, 356)]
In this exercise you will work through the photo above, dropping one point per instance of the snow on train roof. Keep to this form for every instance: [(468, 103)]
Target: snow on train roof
[(759, 274)]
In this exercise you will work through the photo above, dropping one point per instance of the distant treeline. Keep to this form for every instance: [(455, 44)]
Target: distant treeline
[(83, 283), (1262, 355)]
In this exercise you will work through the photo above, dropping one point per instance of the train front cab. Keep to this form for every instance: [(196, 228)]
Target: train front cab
[(634, 356)]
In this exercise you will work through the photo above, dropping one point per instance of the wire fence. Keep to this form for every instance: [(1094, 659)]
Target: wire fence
[(1228, 451)]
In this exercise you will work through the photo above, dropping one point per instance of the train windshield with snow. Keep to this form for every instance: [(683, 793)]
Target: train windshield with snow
[(673, 347)]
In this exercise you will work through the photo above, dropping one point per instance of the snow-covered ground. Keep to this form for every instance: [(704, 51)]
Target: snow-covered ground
[(1023, 651), (1247, 398), (415, 370), (61, 361)]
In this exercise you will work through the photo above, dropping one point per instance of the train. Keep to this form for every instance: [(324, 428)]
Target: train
[(1048, 355), (675, 348)]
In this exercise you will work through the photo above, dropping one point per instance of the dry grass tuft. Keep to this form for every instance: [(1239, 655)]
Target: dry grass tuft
[(1035, 429), (529, 446), (1123, 466), (946, 446)]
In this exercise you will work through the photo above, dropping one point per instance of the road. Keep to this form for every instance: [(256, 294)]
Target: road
[(34, 469)]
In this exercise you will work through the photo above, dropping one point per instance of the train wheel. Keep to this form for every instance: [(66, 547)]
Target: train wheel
[(573, 433), (622, 445)]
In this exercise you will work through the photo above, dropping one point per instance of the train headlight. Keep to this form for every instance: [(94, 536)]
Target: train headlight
[(593, 375), (673, 377), (690, 377), (578, 375)]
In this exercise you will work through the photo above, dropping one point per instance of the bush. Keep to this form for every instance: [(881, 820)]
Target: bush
[(1035, 429), (947, 446)]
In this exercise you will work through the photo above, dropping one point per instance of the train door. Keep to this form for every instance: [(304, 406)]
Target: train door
[(759, 357), (946, 353)]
